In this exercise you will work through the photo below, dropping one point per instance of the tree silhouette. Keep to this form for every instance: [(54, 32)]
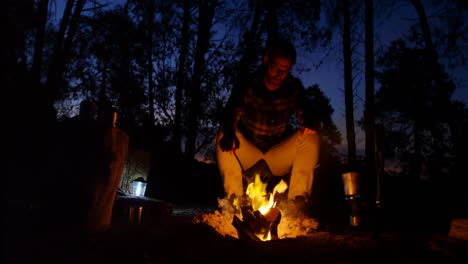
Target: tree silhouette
[(410, 103)]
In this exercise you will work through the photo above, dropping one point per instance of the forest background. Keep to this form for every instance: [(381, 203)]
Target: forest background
[(168, 67)]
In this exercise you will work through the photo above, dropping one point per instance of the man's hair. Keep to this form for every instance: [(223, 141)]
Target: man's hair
[(281, 47)]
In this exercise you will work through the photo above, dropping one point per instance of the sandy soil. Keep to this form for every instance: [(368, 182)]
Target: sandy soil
[(178, 239)]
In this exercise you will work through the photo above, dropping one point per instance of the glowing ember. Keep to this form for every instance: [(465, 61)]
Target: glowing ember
[(289, 227)]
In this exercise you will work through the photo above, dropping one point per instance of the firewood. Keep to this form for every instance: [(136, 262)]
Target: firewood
[(274, 227), (244, 231), (272, 214), (251, 221), (263, 224), (254, 225)]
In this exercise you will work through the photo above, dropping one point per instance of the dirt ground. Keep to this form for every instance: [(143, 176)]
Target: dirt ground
[(177, 239)]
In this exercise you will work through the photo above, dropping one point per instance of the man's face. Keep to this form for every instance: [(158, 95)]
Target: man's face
[(277, 70)]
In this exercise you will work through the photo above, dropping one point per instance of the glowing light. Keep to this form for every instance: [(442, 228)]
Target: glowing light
[(139, 188)]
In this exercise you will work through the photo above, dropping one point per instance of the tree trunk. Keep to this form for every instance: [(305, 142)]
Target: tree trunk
[(149, 61), (52, 76), (250, 41), (39, 43), (436, 77), (206, 14), (348, 83), (416, 160), (181, 79), (369, 113), (71, 34), (431, 52), (423, 23), (272, 20), (63, 46)]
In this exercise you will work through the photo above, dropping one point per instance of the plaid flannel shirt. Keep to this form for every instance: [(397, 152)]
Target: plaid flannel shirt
[(261, 115)]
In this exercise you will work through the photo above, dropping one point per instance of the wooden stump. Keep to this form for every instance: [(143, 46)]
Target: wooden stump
[(105, 188), (85, 164)]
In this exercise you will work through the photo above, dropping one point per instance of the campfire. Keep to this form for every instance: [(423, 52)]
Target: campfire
[(258, 215), (258, 211)]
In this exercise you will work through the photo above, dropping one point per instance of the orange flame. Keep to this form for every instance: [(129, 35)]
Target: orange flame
[(262, 201)]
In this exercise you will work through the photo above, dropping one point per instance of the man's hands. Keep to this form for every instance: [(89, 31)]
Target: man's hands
[(297, 207), (229, 142)]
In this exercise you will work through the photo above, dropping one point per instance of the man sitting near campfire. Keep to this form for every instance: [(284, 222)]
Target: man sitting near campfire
[(256, 127)]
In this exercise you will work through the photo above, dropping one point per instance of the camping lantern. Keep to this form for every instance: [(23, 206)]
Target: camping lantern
[(139, 187)]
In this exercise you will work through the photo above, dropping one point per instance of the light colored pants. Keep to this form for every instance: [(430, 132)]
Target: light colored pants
[(297, 154)]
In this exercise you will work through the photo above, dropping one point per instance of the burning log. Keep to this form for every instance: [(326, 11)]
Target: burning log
[(260, 217), (256, 226), (274, 217), (243, 229)]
